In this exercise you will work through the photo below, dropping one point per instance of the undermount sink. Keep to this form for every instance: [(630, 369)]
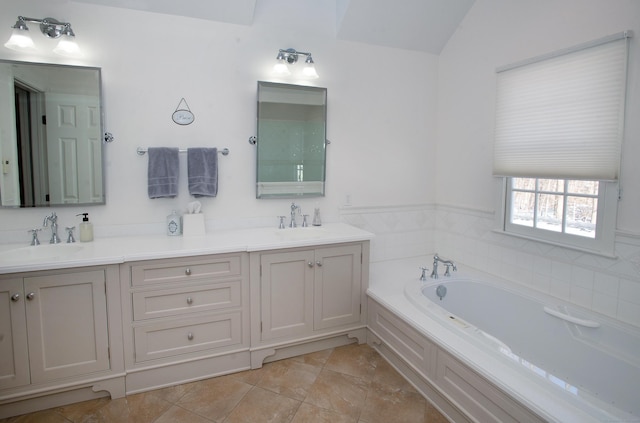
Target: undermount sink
[(310, 232), (41, 252)]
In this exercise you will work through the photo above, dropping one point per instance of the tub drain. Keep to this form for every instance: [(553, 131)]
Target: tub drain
[(441, 291)]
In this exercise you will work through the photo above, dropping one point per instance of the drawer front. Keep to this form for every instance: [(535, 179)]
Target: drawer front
[(183, 300), (178, 270), (175, 337)]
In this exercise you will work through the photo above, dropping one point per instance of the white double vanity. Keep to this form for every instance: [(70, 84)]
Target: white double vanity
[(126, 315)]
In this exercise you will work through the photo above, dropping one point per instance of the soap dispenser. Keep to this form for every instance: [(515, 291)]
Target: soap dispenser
[(86, 228)]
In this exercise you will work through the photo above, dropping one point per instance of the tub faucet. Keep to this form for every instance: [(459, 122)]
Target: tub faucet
[(294, 208), (54, 227), (448, 263)]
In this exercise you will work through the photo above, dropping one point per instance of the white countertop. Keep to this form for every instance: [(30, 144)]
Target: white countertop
[(22, 258)]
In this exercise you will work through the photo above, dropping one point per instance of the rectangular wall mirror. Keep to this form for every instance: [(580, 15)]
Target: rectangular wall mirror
[(51, 130), (291, 141)]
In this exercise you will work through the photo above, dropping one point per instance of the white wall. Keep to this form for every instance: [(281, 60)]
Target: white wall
[(500, 32), (381, 108)]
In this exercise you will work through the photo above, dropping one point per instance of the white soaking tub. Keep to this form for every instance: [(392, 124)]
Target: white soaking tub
[(555, 361)]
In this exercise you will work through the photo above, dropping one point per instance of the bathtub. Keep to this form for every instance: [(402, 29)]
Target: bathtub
[(560, 362)]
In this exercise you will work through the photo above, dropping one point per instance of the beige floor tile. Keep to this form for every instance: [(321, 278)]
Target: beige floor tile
[(173, 394), (290, 378), (81, 410), (179, 415), (355, 360), (262, 406), (316, 358), (339, 392), (251, 377), (343, 385), (432, 415), (48, 416), (385, 374), (309, 413), (385, 404), (138, 408), (214, 398)]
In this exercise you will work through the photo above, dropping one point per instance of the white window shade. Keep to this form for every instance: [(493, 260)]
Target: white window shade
[(562, 115)]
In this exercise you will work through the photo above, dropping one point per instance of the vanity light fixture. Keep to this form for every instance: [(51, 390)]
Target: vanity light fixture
[(51, 28), (289, 57)]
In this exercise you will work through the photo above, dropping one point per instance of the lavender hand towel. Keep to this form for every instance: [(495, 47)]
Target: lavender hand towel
[(163, 172), (202, 169)]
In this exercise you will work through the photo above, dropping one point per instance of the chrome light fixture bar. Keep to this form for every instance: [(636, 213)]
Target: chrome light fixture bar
[(51, 28), (289, 57)]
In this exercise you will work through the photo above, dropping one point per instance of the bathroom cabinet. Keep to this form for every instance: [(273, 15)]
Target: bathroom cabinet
[(185, 318), (54, 332), (306, 295), (127, 315)]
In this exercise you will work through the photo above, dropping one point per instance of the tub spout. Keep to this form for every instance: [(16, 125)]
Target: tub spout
[(448, 263)]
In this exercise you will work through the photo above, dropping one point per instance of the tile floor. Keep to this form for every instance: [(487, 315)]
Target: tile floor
[(346, 384)]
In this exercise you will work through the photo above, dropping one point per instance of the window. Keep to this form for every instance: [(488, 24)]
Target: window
[(575, 213), (558, 141)]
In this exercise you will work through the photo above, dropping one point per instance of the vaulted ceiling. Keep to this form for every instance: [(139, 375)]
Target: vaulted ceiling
[(422, 25)]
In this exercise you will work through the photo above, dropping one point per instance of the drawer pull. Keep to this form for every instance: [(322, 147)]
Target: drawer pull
[(189, 300), (187, 271), (190, 336)]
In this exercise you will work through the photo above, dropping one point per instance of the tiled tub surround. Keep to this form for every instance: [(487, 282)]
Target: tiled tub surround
[(610, 286)]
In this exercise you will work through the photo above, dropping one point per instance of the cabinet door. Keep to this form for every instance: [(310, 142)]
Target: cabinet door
[(14, 357), (337, 286), (286, 294), (67, 324)]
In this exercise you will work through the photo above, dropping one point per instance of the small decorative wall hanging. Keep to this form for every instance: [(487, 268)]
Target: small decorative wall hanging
[(183, 116)]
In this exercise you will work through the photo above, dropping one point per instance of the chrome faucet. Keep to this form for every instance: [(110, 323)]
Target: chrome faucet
[(448, 263), (294, 208), (54, 227), (34, 236)]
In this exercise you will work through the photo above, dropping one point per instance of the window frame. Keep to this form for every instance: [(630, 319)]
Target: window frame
[(601, 244)]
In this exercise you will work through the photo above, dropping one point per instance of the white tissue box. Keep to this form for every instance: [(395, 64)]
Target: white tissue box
[(193, 224)]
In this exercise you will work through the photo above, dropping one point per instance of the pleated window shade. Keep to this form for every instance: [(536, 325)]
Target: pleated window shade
[(561, 116)]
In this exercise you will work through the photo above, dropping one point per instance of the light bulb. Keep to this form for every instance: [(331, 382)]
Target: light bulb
[(281, 68), (20, 40), (67, 46), (309, 71)]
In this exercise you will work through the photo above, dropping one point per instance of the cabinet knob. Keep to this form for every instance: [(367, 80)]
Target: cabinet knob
[(190, 336), (30, 296), (15, 298), (310, 264), (189, 300), (187, 271), (319, 263)]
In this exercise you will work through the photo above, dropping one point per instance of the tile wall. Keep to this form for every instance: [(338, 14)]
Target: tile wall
[(605, 285)]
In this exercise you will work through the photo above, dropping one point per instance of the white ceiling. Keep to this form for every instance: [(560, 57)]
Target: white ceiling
[(423, 25)]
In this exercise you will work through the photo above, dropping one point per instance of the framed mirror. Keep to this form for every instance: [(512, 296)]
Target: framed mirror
[(291, 142), (51, 130)]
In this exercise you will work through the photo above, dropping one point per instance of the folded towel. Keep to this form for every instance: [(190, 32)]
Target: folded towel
[(163, 172), (202, 169)]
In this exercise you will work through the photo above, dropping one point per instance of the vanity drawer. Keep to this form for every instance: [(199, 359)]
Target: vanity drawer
[(174, 337), (178, 270), (186, 299)]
